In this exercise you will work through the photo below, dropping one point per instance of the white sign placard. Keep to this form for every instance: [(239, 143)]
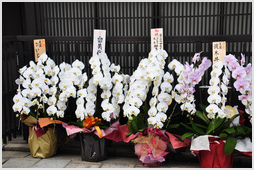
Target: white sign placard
[(99, 41), (157, 38), (39, 48), (219, 51)]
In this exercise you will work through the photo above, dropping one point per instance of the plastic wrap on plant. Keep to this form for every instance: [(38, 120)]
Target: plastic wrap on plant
[(93, 149), (44, 146)]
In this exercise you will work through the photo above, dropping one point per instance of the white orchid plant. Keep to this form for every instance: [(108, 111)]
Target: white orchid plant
[(72, 84), (37, 93), (149, 74), (99, 103)]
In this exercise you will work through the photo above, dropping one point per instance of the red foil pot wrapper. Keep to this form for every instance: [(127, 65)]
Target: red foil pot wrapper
[(215, 158)]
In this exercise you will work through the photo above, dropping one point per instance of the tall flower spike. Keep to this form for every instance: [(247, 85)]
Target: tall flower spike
[(189, 76)]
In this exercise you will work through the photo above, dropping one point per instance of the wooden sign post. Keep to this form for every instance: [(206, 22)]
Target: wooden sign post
[(39, 48), (99, 41), (219, 51), (157, 38)]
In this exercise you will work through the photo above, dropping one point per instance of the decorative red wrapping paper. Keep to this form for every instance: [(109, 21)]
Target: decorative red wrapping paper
[(215, 158), (71, 129), (118, 133), (39, 131), (176, 143), (247, 153), (115, 132)]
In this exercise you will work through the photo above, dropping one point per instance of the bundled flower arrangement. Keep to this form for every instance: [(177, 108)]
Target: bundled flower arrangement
[(213, 126), (98, 101), (45, 91), (36, 101), (149, 72), (150, 83), (144, 120)]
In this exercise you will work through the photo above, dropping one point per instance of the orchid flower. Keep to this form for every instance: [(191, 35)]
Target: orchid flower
[(189, 77), (243, 80)]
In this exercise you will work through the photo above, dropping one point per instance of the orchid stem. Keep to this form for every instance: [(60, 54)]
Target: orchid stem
[(171, 115)]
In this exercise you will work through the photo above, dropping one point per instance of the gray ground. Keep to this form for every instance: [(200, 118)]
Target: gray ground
[(121, 155)]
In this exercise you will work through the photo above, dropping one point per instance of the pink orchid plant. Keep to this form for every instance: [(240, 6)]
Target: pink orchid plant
[(243, 80), (189, 77)]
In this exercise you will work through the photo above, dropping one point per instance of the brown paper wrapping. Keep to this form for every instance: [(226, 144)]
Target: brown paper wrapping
[(30, 121), (44, 146)]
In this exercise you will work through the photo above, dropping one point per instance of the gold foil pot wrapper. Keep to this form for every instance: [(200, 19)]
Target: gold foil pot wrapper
[(30, 121), (44, 146)]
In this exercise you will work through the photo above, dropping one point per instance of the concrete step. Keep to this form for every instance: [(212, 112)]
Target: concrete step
[(73, 146), (122, 149)]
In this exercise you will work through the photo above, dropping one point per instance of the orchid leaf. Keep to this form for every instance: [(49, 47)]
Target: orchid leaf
[(140, 124), (223, 136), (180, 139), (130, 128), (214, 125), (230, 130), (230, 145), (128, 134), (145, 108), (203, 107), (240, 130), (187, 134), (201, 126), (196, 128), (188, 127), (226, 125), (134, 126), (203, 117), (246, 129), (171, 126)]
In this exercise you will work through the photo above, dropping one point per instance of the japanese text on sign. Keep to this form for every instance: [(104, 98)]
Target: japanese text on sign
[(99, 40), (219, 51), (39, 48), (157, 38)]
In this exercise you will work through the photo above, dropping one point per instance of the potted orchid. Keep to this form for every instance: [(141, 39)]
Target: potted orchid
[(146, 119), (35, 100), (243, 80), (214, 130), (98, 107), (157, 117)]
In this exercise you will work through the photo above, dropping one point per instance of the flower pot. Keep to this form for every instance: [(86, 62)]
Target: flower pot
[(93, 149), (151, 150), (215, 158), (42, 142)]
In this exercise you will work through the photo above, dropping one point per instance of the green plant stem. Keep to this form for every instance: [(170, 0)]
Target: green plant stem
[(19, 121), (171, 115)]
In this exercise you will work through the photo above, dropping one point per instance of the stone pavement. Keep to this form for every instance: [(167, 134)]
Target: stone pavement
[(121, 155)]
